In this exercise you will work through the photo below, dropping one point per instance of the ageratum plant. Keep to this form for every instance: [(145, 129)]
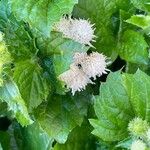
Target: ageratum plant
[(74, 75)]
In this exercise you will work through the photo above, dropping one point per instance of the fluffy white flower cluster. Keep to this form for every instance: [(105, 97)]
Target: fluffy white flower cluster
[(83, 68), (80, 30)]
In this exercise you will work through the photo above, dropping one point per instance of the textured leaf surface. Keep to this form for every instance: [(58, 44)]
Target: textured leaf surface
[(4, 140), (10, 94), (141, 4), (20, 44), (41, 14), (100, 13), (113, 110), (32, 138), (61, 49), (79, 139), (133, 48), (62, 114), (122, 97), (138, 91), (141, 21), (33, 88)]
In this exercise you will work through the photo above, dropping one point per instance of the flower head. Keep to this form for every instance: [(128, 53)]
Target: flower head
[(75, 79), (80, 30), (63, 26), (138, 127), (138, 145), (93, 64)]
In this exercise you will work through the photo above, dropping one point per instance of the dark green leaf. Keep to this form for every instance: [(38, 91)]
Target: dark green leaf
[(32, 86), (79, 139), (5, 140), (62, 114), (10, 94)]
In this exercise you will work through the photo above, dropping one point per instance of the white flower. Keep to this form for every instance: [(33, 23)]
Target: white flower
[(63, 26), (75, 79), (138, 145), (80, 30), (93, 64), (78, 58)]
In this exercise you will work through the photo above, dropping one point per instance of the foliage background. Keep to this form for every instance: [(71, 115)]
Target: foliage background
[(37, 112)]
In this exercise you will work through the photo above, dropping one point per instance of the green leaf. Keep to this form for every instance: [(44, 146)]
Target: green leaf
[(19, 42), (58, 55), (123, 97), (133, 48), (3, 109), (100, 13), (62, 114), (125, 143), (113, 109), (138, 90), (29, 78), (5, 140), (10, 94), (79, 139), (4, 59), (141, 4), (41, 14), (32, 137), (66, 49), (141, 21), (61, 50)]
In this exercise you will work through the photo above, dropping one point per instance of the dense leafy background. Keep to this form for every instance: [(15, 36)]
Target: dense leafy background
[(37, 112)]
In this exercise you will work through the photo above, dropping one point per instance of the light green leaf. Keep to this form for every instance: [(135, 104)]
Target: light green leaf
[(113, 109), (10, 94), (62, 114), (122, 98), (32, 137), (19, 42), (133, 48), (41, 14), (100, 13), (141, 21), (32, 86)]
